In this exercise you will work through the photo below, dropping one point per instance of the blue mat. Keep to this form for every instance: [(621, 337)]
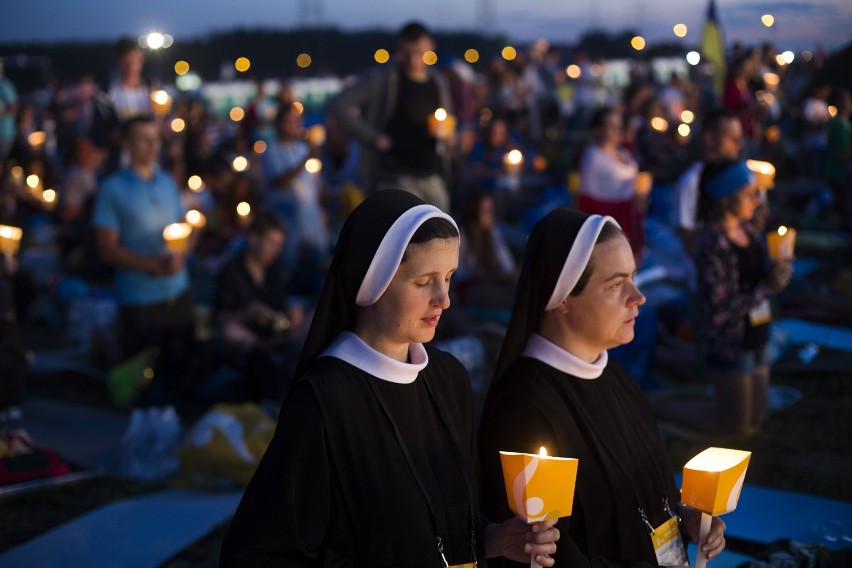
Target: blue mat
[(797, 332), (764, 515), (135, 533)]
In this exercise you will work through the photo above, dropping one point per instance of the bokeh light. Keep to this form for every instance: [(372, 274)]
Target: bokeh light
[(659, 124), (237, 114), (313, 166), (679, 30), (195, 183), (573, 71), (381, 56), (638, 43), (160, 97), (430, 58), (49, 196), (240, 164), (471, 56), (303, 60), (832, 111), (440, 114), (789, 56), (687, 116), (807, 55), (155, 40), (33, 181), (509, 53), (297, 107), (181, 67), (243, 208), (36, 139), (242, 64), (768, 20), (178, 125), (683, 130), (693, 58), (259, 147)]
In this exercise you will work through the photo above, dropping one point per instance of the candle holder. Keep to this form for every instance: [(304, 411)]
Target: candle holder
[(712, 482), (176, 236), (539, 487), (10, 239), (781, 243), (644, 183), (442, 125), (765, 173)]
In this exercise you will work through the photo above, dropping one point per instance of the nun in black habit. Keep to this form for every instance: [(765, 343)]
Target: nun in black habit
[(373, 462), (554, 387)]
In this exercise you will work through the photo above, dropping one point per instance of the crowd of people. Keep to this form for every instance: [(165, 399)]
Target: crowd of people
[(313, 262)]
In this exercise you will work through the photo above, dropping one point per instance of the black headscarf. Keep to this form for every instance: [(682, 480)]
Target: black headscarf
[(545, 265), (360, 240)]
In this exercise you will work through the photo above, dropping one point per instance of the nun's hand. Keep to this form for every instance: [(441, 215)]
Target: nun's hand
[(692, 525), (516, 540)]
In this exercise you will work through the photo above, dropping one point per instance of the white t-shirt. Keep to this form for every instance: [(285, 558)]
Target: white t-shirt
[(605, 178), (685, 207)]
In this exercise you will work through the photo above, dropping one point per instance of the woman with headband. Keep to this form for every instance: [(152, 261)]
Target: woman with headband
[(736, 279), (373, 462), (554, 387)]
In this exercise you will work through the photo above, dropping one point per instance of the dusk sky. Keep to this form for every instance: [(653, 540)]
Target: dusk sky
[(799, 23)]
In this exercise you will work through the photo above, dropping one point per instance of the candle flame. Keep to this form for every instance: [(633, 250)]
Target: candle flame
[(542, 452), (313, 165), (440, 114), (195, 218), (33, 181), (514, 157), (782, 230), (176, 231), (160, 97), (243, 209), (49, 196), (8, 232)]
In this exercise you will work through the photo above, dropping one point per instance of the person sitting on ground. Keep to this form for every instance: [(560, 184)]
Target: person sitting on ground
[(257, 326)]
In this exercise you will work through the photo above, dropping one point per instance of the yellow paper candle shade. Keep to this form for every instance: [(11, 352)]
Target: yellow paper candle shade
[(161, 102), (644, 183), (765, 173), (539, 487), (176, 236), (10, 239), (713, 479), (781, 243), (442, 125)]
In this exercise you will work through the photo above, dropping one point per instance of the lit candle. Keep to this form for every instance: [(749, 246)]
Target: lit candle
[(442, 125), (781, 243), (161, 102), (243, 213), (712, 482), (176, 236), (47, 198), (10, 239), (313, 165), (539, 487), (644, 183), (316, 135), (513, 160), (196, 219), (765, 173)]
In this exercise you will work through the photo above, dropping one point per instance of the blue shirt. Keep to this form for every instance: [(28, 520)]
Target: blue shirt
[(139, 210)]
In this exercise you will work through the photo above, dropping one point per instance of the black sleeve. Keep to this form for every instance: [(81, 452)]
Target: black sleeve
[(284, 513)]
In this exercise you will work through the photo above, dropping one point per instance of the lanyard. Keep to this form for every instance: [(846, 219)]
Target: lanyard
[(438, 524), (624, 472)]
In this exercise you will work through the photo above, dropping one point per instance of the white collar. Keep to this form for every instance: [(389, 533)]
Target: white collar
[(551, 354), (350, 348)]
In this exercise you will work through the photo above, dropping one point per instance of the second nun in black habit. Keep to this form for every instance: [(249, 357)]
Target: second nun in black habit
[(554, 387), (373, 462)]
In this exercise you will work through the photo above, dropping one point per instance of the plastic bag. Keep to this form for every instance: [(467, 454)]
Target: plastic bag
[(224, 447)]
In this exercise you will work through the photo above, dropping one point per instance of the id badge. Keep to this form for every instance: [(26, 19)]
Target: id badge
[(668, 545), (760, 314)]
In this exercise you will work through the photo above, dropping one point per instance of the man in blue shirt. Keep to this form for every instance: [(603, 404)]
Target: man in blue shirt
[(131, 211)]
